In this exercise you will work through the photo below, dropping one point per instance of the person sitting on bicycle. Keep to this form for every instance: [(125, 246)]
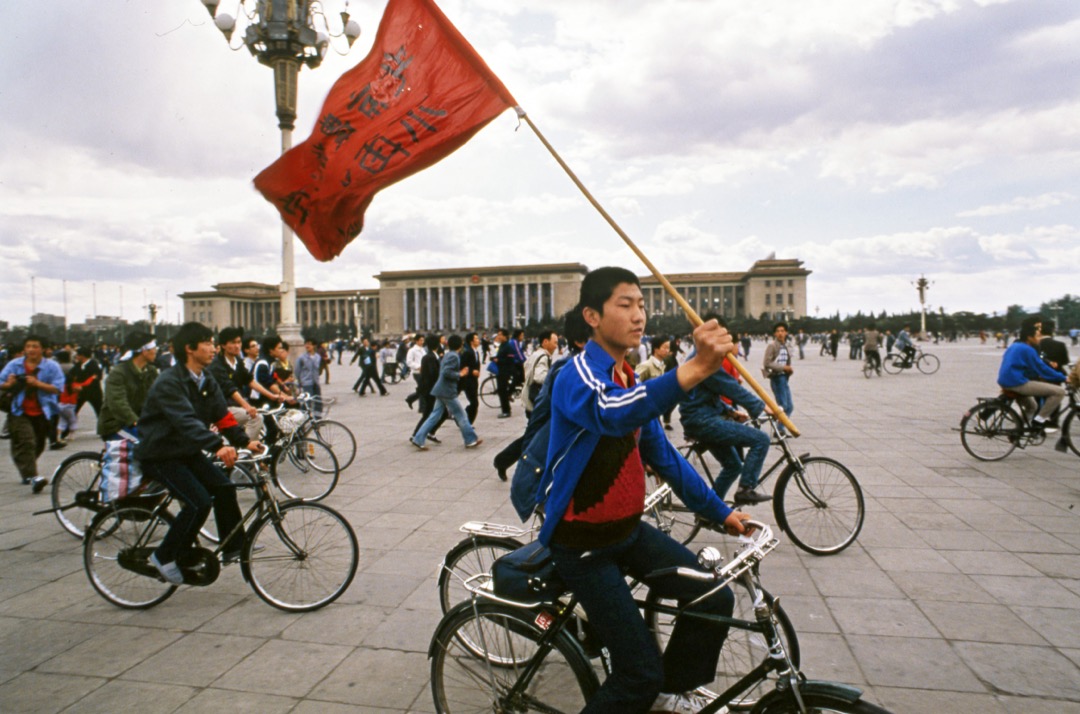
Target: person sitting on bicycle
[(1024, 372), (906, 347), (710, 416), (602, 426), (174, 433), (872, 347)]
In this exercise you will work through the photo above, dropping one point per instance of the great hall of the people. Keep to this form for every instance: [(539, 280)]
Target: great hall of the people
[(480, 298)]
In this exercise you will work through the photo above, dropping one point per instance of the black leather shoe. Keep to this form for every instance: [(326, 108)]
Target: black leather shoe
[(434, 439), (749, 496), (502, 474)]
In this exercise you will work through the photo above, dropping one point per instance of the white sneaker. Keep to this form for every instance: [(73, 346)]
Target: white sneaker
[(169, 571), (683, 703)]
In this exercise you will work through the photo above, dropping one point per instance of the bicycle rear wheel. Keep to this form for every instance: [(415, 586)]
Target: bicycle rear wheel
[(303, 560), (743, 649), (990, 431), (928, 364), (470, 557), (305, 469), (820, 506), (76, 481), (118, 543), (891, 363), (819, 704), (463, 682), (489, 392), (337, 436)]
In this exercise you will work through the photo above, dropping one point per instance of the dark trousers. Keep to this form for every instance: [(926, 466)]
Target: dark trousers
[(874, 358), (199, 486), (639, 672), (427, 405), (28, 436), (471, 389), (504, 383), (368, 377), (505, 459), (94, 401)]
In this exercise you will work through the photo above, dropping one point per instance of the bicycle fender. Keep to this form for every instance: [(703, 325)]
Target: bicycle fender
[(781, 699)]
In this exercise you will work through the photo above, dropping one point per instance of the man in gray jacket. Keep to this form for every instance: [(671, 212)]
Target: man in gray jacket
[(778, 369), (445, 393)]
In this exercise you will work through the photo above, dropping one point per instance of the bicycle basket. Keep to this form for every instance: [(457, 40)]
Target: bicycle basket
[(291, 420)]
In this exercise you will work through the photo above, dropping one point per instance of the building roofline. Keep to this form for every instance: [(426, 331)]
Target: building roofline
[(482, 270)]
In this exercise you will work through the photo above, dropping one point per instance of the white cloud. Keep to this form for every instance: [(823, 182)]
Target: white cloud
[(1021, 203)]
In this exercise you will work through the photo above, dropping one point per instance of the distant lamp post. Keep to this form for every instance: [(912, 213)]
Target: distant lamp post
[(922, 285), (363, 312), (283, 35), (152, 308)]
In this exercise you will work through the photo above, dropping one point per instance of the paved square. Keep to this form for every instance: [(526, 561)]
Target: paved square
[(962, 593)]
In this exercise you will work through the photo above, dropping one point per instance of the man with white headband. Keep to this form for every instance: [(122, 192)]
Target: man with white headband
[(127, 386)]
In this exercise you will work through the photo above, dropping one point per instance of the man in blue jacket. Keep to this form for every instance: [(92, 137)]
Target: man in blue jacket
[(1024, 372), (174, 434), (602, 425), (36, 382)]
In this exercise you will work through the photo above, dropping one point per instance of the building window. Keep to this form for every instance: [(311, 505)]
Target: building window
[(768, 299), (779, 299), (768, 283), (791, 299), (791, 283)]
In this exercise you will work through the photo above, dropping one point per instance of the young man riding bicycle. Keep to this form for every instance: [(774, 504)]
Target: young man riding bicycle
[(174, 433), (602, 425), (1024, 372)]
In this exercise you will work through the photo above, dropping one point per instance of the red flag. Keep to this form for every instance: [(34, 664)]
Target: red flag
[(421, 93)]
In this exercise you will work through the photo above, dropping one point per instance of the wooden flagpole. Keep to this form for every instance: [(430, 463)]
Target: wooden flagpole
[(691, 314)]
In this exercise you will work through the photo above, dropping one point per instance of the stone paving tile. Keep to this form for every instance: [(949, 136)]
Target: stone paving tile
[(896, 618), (223, 700), (988, 563), (40, 693), (912, 663), (110, 652), (287, 668), (1060, 627), (376, 678), (979, 623), (1022, 670), (121, 696), (196, 659), (916, 700)]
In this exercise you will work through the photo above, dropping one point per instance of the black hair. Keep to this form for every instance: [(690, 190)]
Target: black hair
[(469, 338), (599, 284), (453, 343), (43, 341), (658, 342), (228, 334), (518, 334), (575, 329), (269, 343), (312, 340), (84, 352), (1027, 327), (1048, 328), (190, 335), (719, 319), (778, 325), (502, 331)]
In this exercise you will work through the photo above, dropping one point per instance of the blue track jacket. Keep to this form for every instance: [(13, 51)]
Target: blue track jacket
[(1022, 364), (586, 404)]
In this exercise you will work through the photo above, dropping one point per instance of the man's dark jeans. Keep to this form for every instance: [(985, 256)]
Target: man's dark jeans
[(198, 485), (597, 577)]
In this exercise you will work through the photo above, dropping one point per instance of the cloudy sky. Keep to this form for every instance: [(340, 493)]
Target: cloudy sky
[(876, 140)]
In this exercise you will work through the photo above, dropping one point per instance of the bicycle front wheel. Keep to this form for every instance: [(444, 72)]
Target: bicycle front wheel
[(928, 364), (463, 682), (301, 560), (75, 498), (470, 557), (990, 431), (891, 363), (816, 703), (337, 436), (118, 544), (489, 392), (743, 649), (306, 469), (820, 506)]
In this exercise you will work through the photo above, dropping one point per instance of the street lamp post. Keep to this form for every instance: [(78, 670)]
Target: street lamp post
[(283, 35), (922, 285)]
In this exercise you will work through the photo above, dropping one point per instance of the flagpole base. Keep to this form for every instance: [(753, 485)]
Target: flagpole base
[(290, 333)]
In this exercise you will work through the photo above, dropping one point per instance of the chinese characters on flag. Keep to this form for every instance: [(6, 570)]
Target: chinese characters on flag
[(420, 94)]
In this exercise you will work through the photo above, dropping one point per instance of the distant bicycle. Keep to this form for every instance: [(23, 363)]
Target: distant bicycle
[(489, 392), (995, 427), (923, 361), (868, 368)]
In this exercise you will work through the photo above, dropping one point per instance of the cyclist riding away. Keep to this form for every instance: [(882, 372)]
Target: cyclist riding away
[(1024, 372), (174, 433), (602, 425), (906, 347)]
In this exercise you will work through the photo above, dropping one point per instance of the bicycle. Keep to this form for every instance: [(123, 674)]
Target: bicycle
[(334, 434), (923, 361), (995, 427), (490, 654), (869, 369), (76, 482), (313, 468), (489, 391), (817, 501), (310, 564)]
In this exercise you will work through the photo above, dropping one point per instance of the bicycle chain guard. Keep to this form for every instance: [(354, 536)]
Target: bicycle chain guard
[(200, 567)]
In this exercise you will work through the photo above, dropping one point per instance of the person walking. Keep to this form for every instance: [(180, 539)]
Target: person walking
[(36, 383), (445, 394), (470, 383), (308, 367), (777, 366)]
